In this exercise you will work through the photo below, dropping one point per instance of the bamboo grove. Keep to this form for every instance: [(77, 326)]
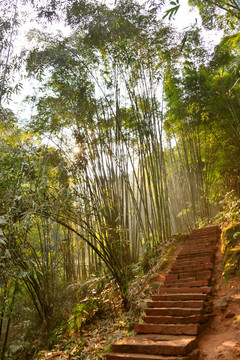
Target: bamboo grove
[(134, 136)]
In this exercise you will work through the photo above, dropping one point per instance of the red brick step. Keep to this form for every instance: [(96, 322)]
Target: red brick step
[(156, 344), (182, 278), (192, 319), (179, 264), (178, 311), (176, 303), (119, 356), (207, 266), (181, 283), (196, 254), (179, 296), (206, 274), (179, 290), (171, 329), (176, 277), (202, 247), (192, 269), (174, 315)]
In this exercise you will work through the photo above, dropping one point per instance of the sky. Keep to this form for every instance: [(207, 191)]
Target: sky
[(184, 18)]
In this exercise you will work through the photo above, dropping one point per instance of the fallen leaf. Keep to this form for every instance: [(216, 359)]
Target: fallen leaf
[(54, 355)]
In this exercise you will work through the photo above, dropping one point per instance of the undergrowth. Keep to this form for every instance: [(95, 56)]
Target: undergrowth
[(93, 318), (229, 220), (231, 250), (98, 319)]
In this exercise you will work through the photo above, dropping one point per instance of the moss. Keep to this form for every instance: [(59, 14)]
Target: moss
[(165, 260), (180, 237), (231, 250)]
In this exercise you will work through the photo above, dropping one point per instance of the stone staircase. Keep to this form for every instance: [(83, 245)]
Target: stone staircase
[(174, 316)]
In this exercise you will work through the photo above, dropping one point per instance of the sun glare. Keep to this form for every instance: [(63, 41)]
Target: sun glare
[(76, 150)]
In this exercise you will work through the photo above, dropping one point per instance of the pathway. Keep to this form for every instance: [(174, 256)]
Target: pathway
[(174, 316)]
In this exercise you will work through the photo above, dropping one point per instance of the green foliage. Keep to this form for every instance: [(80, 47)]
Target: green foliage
[(230, 209), (173, 10), (231, 250), (83, 313), (147, 260), (165, 260), (67, 216), (202, 123), (218, 14), (127, 202)]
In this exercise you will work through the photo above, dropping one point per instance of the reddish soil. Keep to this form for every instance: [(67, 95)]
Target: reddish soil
[(221, 337)]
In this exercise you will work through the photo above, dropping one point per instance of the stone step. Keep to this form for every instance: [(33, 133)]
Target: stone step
[(181, 290), (174, 315), (176, 277), (204, 253), (183, 264), (211, 229), (197, 261), (205, 241), (179, 296), (156, 344), (177, 311), (192, 319), (212, 239), (201, 247), (125, 356), (195, 254), (192, 269), (195, 235), (200, 237), (188, 276), (170, 329), (204, 236), (184, 275), (180, 283), (187, 282), (176, 303), (205, 274), (185, 259)]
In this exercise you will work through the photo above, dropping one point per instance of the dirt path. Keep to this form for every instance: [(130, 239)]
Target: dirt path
[(221, 337)]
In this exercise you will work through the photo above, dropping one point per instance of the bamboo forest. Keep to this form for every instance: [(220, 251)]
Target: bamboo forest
[(119, 135)]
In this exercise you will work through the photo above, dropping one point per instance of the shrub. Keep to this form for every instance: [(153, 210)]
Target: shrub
[(231, 250)]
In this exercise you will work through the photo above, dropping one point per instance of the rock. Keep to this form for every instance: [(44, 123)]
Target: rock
[(230, 314), (222, 303), (236, 298), (217, 287)]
